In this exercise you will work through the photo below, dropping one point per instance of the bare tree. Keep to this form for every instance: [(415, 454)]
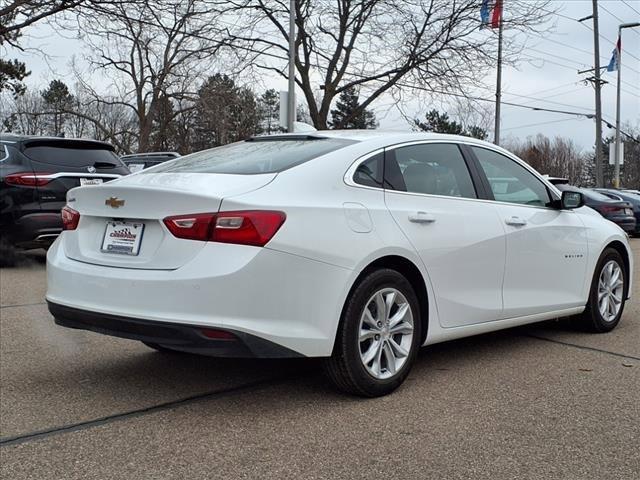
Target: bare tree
[(16, 15), (558, 157), (155, 52), (377, 46)]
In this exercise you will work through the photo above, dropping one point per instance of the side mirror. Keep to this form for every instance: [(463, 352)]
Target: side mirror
[(571, 200)]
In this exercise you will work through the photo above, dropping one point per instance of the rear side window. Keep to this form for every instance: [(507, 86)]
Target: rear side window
[(70, 156), (369, 172), (9, 155), (253, 156), (433, 169)]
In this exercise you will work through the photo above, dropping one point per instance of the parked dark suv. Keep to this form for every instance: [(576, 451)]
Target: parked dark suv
[(35, 174), (139, 161)]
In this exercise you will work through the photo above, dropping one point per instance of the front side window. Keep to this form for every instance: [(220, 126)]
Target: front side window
[(433, 168), (511, 182)]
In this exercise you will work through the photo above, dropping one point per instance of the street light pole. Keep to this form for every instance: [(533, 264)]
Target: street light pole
[(616, 177), (291, 98)]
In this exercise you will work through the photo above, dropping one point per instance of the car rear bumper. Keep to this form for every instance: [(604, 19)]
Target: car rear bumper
[(287, 300), (35, 230), (187, 338)]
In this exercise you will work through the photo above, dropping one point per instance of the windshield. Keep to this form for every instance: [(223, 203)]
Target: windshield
[(253, 156)]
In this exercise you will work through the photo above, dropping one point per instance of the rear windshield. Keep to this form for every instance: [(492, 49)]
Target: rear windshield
[(253, 156), (71, 156)]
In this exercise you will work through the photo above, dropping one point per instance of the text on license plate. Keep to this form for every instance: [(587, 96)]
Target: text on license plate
[(122, 237), (90, 181)]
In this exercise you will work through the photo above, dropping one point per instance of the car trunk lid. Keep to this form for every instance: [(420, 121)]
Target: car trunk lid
[(136, 205)]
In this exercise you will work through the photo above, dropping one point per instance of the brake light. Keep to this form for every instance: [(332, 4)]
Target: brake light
[(28, 179), (611, 209), (191, 227), (246, 227), (217, 334), (70, 218)]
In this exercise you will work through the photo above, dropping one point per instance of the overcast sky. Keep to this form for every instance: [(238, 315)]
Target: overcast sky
[(547, 72)]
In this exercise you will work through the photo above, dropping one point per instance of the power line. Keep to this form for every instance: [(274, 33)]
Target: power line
[(616, 17), (623, 1), (581, 50), (542, 123), (552, 88)]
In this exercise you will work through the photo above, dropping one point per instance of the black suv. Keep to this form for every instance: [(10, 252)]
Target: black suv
[(35, 174), (140, 161)]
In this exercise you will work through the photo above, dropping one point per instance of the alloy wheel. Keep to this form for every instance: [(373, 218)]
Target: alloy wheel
[(610, 291), (386, 333)]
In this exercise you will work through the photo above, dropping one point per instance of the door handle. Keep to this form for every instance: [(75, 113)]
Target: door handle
[(422, 217), (516, 221)]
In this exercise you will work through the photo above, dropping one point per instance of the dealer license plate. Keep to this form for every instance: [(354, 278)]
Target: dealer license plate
[(90, 181), (122, 237)]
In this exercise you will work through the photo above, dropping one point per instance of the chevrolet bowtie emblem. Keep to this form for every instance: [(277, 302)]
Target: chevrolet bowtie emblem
[(114, 202)]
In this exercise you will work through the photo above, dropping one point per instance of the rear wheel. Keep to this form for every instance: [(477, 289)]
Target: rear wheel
[(607, 295), (378, 338)]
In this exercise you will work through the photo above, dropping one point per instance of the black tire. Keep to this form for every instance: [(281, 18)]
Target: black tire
[(345, 368), (160, 348), (591, 319)]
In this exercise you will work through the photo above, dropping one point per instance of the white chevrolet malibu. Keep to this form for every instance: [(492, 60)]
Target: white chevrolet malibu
[(355, 246)]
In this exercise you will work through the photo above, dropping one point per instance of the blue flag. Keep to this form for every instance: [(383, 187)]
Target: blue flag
[(485, 12), (615, 58)]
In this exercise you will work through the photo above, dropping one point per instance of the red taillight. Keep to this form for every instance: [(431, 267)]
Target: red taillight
[(70, 219), (611, 209), (254, 227), (191, 227), (28, 179), (217, 334), (246, 227)]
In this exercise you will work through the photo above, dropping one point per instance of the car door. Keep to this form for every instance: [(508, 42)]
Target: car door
[(546, 257), (430, 192)]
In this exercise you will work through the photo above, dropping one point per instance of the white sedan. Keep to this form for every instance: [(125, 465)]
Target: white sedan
[(355, 246)]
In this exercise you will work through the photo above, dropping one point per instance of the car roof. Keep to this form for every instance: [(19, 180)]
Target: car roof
[(389, 137)]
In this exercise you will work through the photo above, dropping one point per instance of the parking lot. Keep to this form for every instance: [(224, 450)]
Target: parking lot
[(536, 402)]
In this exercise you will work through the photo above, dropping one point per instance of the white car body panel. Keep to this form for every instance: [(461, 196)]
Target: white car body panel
[(465, 269), (292, 291)]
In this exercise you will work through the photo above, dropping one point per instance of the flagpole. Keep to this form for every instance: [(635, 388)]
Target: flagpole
[(291, 99), (616, 176), (496, 138)]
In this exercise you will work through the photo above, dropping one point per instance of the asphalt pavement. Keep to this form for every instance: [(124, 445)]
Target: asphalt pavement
[(543, 401)]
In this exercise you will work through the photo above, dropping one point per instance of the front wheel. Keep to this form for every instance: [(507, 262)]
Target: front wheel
[(607, 295), (378, 337)]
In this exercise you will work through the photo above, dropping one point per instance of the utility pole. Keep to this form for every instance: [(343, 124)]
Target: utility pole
[(616, 177), (291, 99), (496, 138), (598, 85)]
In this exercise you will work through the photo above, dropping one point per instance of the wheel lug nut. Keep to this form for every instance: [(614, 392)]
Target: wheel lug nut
[(377, 337), (379, 324)]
